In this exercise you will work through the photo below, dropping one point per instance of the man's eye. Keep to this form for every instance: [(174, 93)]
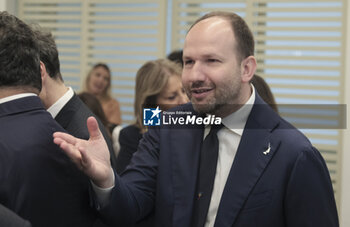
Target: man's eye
[(188, 62), (212, 60)]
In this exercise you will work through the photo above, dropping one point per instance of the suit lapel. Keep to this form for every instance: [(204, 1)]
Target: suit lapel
[(185, 145), (249, 163)]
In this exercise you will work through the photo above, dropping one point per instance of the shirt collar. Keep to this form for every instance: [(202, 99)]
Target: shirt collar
[(18, 96), (60, 103), (237, 120)]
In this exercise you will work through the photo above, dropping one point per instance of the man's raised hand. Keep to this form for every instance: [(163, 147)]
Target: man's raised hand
[(90, 156)]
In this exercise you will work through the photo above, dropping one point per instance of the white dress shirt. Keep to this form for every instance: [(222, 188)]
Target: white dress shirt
[(229, 139), (60, 103)]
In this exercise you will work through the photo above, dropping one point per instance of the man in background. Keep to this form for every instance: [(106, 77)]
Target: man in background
[(37, 180), (59, 100)]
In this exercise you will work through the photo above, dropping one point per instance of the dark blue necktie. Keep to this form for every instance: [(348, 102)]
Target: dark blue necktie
[(206, 176)]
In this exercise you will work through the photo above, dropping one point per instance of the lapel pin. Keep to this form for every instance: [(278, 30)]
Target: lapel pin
[(267, 150)]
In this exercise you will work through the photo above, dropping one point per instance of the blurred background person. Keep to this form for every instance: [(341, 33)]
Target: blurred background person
[(59, 100), (98, 83), (176, 56), (95, 106), (37, 180), (264, 91), (158, 83)]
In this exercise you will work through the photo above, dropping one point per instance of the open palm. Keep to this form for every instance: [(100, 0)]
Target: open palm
[(90, 156)]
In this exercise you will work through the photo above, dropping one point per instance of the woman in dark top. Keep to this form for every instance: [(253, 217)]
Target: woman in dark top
[(158, 83)]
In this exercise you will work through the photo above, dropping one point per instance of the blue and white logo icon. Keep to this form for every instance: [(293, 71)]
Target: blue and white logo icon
[(151, 116)]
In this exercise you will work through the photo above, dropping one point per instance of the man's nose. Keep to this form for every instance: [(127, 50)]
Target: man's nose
[(197, 73)]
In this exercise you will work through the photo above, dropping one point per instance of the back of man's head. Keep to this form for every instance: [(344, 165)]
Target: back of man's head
[(19, 55), (48, 52)]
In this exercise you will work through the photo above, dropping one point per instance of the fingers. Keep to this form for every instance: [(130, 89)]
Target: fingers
[(85, 159), (101, 174), (58, 141), (93, 128), (61, 136), (71, 151)]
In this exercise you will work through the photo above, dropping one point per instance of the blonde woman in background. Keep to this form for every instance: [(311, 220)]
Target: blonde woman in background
[(98, 83), (158, 83)]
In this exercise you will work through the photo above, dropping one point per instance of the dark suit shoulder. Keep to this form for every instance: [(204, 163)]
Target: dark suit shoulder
[(30, 163), (73, 116), (291, 137)]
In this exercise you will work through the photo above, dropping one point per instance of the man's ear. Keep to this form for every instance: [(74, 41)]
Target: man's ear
[(43, 71), (248, 67)]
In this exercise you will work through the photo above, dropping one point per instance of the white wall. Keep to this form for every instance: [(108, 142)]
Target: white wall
[(9, 5), (345, 189), (2, 5)]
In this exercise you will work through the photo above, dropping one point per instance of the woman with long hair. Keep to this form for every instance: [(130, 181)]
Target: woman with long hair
[(98, 83), (158, 83)]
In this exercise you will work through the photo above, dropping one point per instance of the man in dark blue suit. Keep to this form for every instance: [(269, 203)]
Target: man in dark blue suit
[(37, 180), (267, 172)]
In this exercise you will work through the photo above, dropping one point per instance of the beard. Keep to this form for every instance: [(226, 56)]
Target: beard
[(223, 100)]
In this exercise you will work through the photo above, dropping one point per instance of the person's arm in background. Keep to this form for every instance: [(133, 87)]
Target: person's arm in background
[(129, 140), (112, 111)]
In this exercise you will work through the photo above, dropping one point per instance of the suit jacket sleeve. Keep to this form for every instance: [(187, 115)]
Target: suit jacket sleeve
[(309, 196), (133, 196)]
